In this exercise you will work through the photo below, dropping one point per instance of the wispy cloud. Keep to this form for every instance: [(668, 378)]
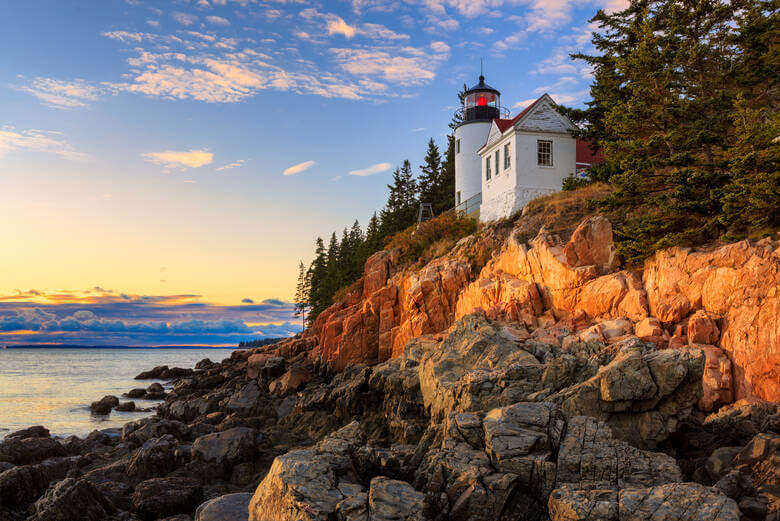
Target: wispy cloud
[(180, 160), (234, 164), (371, 170), (300, 167), (50, 142), (64, 94), (217, 20), (184, 18)]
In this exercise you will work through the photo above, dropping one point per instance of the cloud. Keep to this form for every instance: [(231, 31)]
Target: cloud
[(63, 94), (98, 317), (234, 164), (184, 18), (408, 65), (217, 20), (338, 26), (300, 167), (371, 170), (37, 141), (180, 160), (524, 103), (247, 301), (419, 129)]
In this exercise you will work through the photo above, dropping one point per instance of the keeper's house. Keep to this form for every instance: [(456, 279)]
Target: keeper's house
[(501, 163)]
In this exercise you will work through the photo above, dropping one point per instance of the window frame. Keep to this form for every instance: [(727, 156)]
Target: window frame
[(507, 156), (539, 153), (457, 146), (487, 168), (498, 160), (457, 198)]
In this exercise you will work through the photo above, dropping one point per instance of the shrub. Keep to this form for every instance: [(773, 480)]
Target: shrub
[(437, 235)]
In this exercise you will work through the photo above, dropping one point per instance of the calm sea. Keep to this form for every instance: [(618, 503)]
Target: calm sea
[(54, 387)]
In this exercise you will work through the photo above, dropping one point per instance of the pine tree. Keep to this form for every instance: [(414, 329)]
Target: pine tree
[(318, 272), (303, 293), (457, 118), (431, 180), (400, 212)]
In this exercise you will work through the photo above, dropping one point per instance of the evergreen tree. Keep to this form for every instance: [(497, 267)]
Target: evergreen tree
[(434, 188), (448, 176), (302, 293), (318, 272), (667, 80), (457, 118), (400, 212)]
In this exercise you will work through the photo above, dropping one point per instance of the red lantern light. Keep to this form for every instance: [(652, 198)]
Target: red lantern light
[(481, 102)]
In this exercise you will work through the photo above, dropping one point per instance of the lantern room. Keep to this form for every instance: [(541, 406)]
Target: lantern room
[(481, 103)]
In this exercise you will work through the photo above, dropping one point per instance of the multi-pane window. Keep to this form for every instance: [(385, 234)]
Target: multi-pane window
[(507, 157), (498, 168), (457, 146), (544, 153), (487, 168)]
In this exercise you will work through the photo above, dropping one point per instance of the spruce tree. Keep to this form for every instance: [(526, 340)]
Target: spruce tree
[(318, 272), (400, 212), (302, 293), (431, 180)]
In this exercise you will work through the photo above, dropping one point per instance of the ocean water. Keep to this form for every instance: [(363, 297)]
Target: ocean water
[(54, 387)]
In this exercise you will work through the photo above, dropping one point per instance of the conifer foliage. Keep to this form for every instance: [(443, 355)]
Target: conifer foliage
[(684, 105), (341, 263)]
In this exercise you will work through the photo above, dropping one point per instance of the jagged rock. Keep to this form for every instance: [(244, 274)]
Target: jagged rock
[(591, 244), (304, 485), (641, 396), (22, 485), (717, 378), (37, 431), (140, 431), (676, 502), (24, 451), (266, 365), (452, 375), (245, 401), (735, 282), (702, 329), (187, 410), (231, 507), (125, 407), (672, 502), (136, 393), (104, 405), (393, 500), (289, 382), (161, 497), (156, 458), (72, 500), (590, 457), (761, 459), (719, 463), (736, 485), (163, 372), (227, 447), (156, 387)]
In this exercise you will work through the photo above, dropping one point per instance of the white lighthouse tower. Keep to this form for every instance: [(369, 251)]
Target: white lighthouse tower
[(481, 105)]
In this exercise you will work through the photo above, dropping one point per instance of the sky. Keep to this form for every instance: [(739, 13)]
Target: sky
[(164, 166)]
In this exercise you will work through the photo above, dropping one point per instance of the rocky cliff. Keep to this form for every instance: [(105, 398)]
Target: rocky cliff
[(549, 385), (724, 299)]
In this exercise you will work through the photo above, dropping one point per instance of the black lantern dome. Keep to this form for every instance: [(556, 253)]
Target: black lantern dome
[(481, 103)]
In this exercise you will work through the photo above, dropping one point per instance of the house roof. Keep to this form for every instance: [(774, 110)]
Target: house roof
[(586, 155), (504, 124)]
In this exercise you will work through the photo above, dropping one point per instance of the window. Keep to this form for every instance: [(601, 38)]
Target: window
[(457, 146), (487, 168), (457, 198), (544, 153), (498, 168), (507, 157)]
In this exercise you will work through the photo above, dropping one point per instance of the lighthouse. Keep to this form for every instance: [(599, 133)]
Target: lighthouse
[(481, 105)]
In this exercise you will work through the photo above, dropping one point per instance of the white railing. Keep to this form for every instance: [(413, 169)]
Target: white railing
[(470, 205)]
